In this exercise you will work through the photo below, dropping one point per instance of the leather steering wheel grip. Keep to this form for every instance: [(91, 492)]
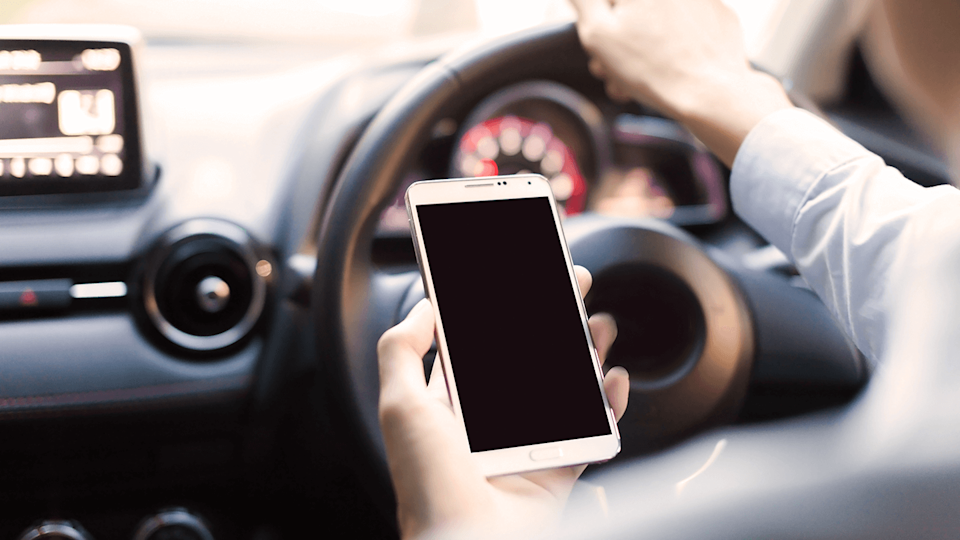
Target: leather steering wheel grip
[(343, 292)]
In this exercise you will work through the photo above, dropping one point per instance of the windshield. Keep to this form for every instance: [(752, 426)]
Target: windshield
[(339, 22)]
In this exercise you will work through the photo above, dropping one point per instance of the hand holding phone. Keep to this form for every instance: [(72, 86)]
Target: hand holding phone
[(437, 482), (508, 310)]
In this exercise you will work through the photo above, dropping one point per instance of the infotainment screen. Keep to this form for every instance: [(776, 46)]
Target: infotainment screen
[(68, 117)]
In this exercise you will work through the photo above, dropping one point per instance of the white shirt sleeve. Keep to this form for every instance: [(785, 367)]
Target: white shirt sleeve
[(837, 211)]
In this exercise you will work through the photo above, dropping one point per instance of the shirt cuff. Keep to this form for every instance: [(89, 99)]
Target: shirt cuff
[(780, 160)]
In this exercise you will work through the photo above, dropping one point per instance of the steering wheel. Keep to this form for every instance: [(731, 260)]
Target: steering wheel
[(694, 328)]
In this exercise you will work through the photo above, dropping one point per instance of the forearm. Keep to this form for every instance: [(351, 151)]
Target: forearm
[(846, 219)]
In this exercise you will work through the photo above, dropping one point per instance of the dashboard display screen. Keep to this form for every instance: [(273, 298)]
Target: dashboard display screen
[(68, 118)]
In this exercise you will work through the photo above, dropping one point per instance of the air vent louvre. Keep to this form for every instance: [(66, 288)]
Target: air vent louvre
[(202, 290)]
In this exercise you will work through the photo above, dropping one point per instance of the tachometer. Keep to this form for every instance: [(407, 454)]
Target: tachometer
[(540, 127), (516, 145)]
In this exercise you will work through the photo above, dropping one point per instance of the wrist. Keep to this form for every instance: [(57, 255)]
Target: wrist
[(726, 96), (722, 109)]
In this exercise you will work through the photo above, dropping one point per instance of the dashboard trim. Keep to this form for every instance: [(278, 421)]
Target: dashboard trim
[(121, 398)]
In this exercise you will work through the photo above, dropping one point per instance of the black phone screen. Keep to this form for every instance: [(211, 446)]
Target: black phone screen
[(517, 347)]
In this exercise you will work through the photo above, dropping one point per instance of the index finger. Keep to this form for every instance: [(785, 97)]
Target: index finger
[(584, 279), (401, 349), (593, 17)]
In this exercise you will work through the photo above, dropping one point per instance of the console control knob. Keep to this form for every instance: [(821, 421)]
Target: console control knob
[(213, 294), (56, 530), (173, 524)]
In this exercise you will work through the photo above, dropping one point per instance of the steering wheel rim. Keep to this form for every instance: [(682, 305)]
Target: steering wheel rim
[(346, 337), (349, 293)]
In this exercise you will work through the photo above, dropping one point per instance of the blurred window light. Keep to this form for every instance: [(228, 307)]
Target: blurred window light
[(354, 22), (756, 18), (351, 22), (359, 7)]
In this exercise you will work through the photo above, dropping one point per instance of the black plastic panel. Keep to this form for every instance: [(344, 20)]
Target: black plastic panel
[(798, 341), (99, 362)]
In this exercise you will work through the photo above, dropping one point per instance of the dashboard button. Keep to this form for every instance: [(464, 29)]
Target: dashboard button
[(544, 454), (35, 295)]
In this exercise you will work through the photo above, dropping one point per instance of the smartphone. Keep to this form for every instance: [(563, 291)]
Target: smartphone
[(512, 337)]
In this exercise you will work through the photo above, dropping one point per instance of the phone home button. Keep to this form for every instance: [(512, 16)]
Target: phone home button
[(546, 453)]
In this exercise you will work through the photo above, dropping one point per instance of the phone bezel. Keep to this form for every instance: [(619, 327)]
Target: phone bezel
[(515, 459)]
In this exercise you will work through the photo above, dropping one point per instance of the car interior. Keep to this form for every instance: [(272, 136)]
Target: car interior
[(201, 242)]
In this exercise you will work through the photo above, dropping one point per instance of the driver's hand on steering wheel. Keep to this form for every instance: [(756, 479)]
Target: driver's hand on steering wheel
[(438, 485), (685, 58)]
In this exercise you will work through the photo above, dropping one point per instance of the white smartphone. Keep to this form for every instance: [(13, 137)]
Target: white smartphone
[(512, 335)]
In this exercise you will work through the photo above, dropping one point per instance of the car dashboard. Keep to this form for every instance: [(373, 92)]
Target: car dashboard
[(157, 351)]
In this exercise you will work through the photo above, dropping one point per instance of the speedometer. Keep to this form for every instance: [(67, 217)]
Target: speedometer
[(536, 127), (517, 145)]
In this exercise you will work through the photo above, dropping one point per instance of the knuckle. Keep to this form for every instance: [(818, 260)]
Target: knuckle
[(389, 340), (389, 411), (588, 35), (592, 33), (395, 410)]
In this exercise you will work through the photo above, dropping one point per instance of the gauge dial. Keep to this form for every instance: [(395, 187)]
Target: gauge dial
[(634, 192), (517, 145)]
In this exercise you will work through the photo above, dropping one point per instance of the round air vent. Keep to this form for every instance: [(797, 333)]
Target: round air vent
[(205, 284), (173, 524), (56, 530)]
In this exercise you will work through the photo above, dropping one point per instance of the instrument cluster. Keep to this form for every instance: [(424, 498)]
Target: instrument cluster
[(619, 164)]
